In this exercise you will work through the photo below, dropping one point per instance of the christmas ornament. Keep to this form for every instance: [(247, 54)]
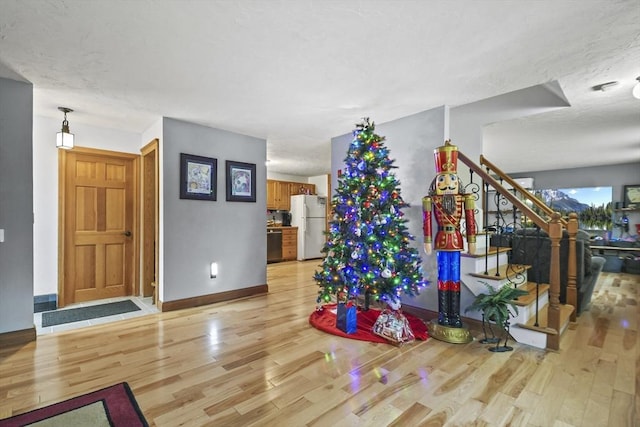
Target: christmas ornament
[(386, 273)]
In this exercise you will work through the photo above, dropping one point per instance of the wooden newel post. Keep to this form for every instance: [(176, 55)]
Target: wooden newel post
[(555, 234), (572, 290)]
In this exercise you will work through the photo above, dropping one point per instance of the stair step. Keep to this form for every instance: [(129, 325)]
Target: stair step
[(530, 287), (490, 251), (565, 315), (500, 248), (500, 273)]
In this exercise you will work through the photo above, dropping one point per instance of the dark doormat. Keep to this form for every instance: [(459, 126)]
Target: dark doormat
[(58, 317)]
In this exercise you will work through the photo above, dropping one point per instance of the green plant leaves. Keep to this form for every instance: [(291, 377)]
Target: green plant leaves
[(497, 304)]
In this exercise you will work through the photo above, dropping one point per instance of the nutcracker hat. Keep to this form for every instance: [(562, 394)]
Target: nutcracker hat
[(446, 157)]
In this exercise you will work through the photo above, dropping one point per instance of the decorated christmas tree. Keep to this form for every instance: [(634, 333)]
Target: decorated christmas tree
[(368, 248)]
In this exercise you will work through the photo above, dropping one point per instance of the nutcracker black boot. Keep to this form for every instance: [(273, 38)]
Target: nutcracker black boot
[(454, 310), (443, 308)]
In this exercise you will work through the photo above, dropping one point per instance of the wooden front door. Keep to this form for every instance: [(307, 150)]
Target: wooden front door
[(98, 208)]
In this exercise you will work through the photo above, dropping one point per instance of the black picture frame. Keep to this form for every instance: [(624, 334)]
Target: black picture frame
[(198, 177), (632, 196), (241, 181)]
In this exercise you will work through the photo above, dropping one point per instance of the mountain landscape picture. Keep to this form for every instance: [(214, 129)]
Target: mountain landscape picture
[(576, 199), (592, 204)]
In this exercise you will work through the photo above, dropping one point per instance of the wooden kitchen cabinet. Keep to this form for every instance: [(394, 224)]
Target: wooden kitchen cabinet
[(271, 194), (300, 188), (283, 197), (278, 195), (289, 243)]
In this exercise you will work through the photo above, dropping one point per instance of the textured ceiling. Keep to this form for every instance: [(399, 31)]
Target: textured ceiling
[(299, 72)]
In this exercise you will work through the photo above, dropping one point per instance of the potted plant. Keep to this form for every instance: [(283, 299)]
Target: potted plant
[(497, 306)]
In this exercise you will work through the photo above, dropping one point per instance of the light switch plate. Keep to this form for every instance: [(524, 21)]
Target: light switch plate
[(1, 235)]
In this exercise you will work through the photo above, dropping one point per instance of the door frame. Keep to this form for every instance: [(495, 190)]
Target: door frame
[(62, 231), (150, 211)]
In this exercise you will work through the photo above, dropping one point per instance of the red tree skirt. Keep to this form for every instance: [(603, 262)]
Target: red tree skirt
[(325, 320)]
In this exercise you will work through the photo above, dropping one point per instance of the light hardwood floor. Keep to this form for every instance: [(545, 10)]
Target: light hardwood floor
[(258, 362)]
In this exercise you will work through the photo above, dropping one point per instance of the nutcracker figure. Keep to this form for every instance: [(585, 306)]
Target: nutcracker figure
[(448, 205)]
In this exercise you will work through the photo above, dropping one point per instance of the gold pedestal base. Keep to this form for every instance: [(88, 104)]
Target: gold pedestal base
[(449, 334)]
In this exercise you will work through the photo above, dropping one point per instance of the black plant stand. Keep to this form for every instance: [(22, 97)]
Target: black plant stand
[(502, 348), (488, 340)]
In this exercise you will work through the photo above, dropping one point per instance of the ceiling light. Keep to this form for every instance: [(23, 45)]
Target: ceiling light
[(636, 89), (605, 86), (64, 138)]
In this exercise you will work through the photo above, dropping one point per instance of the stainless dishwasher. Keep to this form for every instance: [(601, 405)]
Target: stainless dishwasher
[(274, 245)]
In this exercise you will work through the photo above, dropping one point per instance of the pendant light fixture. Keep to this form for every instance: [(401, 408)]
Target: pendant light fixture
[(64, 138)]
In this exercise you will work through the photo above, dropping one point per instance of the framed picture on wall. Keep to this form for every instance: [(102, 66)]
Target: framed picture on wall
[(632, 196), (198, 177), (241, 181)]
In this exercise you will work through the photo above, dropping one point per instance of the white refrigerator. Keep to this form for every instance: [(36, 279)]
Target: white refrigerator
[(308, 213)]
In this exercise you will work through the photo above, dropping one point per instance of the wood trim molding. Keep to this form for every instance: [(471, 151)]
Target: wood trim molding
[(99, 151), (150, 147), (62, 167), (212, 298), (20, 337), (135, 285), (149, 216)]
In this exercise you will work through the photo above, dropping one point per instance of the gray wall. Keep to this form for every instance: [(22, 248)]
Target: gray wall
[(16, 205), (196, 232)]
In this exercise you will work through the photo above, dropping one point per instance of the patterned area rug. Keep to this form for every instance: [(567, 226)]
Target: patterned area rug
[(58, 317), (112, 406)]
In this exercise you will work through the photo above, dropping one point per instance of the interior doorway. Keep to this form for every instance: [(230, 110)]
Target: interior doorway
[(98, 226), (150, 215)]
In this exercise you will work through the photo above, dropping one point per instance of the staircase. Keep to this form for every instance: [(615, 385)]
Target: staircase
[(541, 318), (491, 267)]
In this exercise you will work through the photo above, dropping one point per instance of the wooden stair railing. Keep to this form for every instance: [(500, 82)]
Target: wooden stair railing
[(571, 225), (553, 228), (526, 194), (572, 282)]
